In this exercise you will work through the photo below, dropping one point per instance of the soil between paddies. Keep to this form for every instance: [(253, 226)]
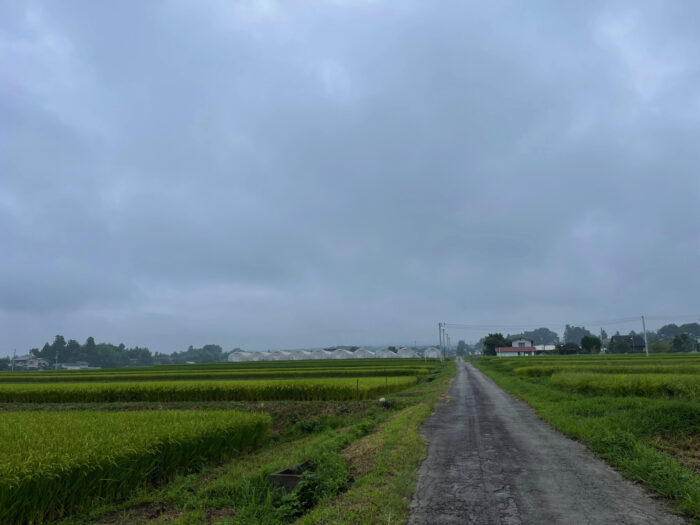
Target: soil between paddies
[(491, 460)]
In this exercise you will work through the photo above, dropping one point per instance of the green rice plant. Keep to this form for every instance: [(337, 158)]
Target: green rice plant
[(543, 371), (54, 463), (647, 385), (162, 391), (168, 375)]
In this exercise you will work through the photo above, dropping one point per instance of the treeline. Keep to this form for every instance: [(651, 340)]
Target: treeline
[(578, 339), (108, 355)]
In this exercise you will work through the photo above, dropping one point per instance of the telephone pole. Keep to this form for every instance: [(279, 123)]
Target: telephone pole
[(646, 344)]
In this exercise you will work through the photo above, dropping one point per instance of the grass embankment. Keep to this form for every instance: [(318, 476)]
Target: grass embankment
[(365, 457), (164, 391), (641, 423), (55, 462)]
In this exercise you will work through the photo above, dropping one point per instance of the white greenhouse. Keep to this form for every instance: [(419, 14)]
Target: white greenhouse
[(432, 353), (407, 353), (362, 353)]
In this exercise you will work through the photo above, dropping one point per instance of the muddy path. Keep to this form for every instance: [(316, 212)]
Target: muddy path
[(491, 460)]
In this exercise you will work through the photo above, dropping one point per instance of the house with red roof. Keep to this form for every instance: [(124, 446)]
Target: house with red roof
[(519, 347)]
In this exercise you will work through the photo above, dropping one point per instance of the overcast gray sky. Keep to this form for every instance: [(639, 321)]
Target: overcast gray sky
[(285, 174)]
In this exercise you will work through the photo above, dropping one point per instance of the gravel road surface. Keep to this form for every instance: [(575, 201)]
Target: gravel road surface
[(492, 460)]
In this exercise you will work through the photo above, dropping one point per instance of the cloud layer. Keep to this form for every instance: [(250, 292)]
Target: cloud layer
[(279, 174)]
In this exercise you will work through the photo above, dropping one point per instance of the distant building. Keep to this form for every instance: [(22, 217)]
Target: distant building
[(432, 353), (519, 347), (635, 342), (362, 353), (385, 353), (78, 365), (29, 362), (237, 356), (406, 353), (545, 348)]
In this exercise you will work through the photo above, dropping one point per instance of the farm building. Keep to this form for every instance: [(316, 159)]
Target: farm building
[(300, 355), (256, 356), (432, 353), (362, 353), (340, 353), (520, 347), (29, 362), (320, 354), (385, 353), (406, 353)]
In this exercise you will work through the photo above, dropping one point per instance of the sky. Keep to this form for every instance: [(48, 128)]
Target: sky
[(264, 174)]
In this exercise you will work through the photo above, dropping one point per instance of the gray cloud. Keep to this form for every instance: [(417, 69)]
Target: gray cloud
[(279, 174)]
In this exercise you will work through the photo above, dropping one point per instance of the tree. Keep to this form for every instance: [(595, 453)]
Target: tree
[(590, 344), (493, 341), (603, 334), (462, 347), (683, 343), (692, 329), (619, 346), (668, 332), (568, 348), (659, 347), (574, 334), (542, 336)]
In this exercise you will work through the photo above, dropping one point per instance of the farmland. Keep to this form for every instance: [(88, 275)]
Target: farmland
[(197, 443), (642, 415)]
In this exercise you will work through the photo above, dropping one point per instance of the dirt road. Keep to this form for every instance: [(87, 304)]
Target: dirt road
[(492, 460)]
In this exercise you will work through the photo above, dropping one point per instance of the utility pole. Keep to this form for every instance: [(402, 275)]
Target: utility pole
[(447, 341), (440, 339), (646, 345), (601, 341), (14, 356), (56, 364)]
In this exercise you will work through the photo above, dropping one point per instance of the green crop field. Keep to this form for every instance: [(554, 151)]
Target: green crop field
[(243, 390), (186, 443), (641, 414), (75, 376), (54, 462)]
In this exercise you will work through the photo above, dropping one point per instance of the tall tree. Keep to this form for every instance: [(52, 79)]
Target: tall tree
[(574, 334), (542, 336), (462, 347), (683, 343), (590, 344), (493, 341)]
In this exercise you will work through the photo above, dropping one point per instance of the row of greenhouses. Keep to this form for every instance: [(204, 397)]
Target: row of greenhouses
[(339, 353)]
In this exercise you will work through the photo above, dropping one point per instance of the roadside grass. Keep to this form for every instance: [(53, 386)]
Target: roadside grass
[(645, 438), (365, 457)]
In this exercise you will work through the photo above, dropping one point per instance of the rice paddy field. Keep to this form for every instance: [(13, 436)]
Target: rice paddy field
[(641, 414), (197, 443)]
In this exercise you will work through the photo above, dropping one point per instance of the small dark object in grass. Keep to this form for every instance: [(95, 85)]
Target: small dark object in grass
[(387, 403), (289, 478)]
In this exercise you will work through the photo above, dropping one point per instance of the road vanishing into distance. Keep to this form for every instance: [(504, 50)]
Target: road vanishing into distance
[(491, 460)]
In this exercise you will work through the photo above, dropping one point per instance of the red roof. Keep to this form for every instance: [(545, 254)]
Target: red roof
[(515, 349)]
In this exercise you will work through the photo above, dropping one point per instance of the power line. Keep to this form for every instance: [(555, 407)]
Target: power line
[(604, 322)]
